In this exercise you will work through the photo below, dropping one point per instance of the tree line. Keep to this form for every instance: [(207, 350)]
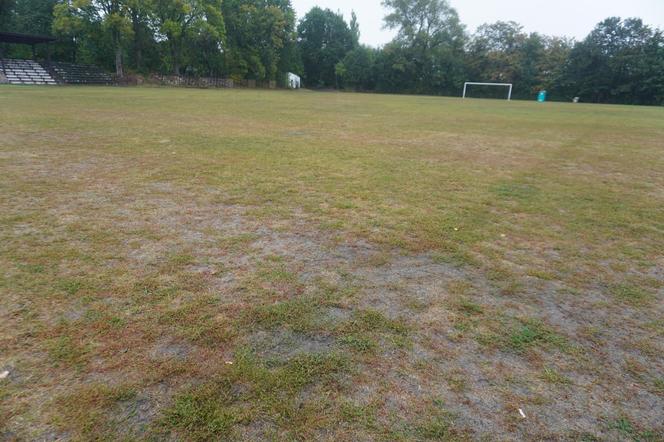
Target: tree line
[(620, 61)]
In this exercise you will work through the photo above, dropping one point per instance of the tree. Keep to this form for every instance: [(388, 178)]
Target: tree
[(354, 29), (6, 13), (140, 13), (496, 52), (356, 70), (393, 69), (181, 20), (552, 64), (431, 38), (69, 24), (33, 16), (650, 88), (259, 35), (614, 64), (502, 52), (26, 17), (324, 39), (289, 58), (112, 15)]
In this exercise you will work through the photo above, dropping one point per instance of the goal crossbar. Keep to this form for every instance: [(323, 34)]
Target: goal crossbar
[(472, 83)]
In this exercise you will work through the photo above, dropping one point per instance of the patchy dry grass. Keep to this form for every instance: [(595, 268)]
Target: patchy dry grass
[(250, 265)]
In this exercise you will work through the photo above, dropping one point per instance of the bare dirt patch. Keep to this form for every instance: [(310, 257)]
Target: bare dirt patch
[(450, 358)]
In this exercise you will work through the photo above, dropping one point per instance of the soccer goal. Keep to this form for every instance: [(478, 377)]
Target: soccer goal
[(470, 83)]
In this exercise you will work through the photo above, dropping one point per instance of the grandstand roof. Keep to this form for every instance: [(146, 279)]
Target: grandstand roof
[(11, 37)]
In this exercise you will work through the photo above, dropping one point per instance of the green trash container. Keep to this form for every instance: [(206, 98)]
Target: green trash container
[(541, 97)]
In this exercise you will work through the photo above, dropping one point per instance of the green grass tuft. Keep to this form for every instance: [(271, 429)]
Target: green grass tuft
[(469, 308), (630, 294), (359, 343), (203, 414), (70, 286), (551, 376), (301, 315), (66, 350), (212, 411), (533, 333)]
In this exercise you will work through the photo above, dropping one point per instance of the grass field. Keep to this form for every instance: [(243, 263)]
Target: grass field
[(251, 265)]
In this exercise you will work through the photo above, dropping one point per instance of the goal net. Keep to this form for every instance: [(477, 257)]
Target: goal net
[(488, 90)]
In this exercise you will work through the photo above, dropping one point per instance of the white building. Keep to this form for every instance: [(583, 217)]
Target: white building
[(294, 81)]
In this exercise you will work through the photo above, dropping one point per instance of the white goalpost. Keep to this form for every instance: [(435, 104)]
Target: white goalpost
[(471, 83)]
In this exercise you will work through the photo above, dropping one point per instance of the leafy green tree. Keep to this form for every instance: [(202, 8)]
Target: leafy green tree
[(354, 29), (289, 57), (33, 16), (650, 88), (27, 17), (617, 63), (70, 25), (552, 64), (430, 43), (502, 52), (112, 15), (115, 18), (259, 35), (140, 13), (496, 52), (206, 43), (393, 69), (356, 70), (6, 13), (181, 21), (531, 55), (324, 39)]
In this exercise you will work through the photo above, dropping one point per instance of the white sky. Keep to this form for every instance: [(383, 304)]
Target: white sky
[(572, 18)]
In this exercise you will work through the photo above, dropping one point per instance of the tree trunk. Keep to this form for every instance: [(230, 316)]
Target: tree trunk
[(176, 59), (138, 43), (139, 59), (118, 56), (118, 62)]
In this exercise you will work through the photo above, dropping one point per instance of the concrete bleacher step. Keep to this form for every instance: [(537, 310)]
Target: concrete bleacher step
[(80, 74), (30, 72), (25, 72)]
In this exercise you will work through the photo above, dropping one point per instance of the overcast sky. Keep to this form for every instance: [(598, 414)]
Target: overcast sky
[(572, 18)]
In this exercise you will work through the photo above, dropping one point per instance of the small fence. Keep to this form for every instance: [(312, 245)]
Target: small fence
[(203, 82)]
